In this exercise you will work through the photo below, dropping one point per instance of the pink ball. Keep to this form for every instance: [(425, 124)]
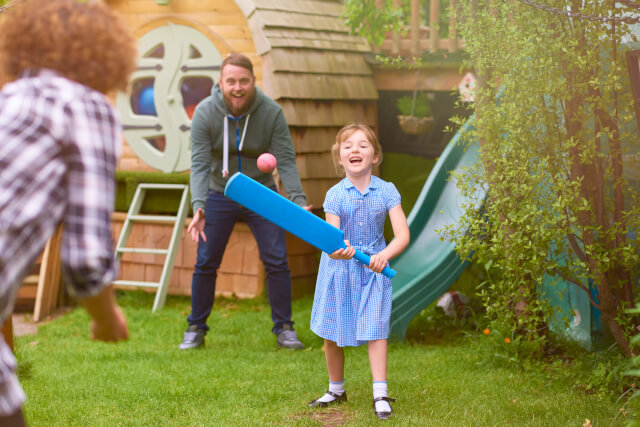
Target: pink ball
[(267, 162)]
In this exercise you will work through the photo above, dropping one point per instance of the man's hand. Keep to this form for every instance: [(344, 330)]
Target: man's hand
[(196, 228), (109, 323)]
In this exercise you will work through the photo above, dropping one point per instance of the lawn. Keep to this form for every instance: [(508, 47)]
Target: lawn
[(240, 378)]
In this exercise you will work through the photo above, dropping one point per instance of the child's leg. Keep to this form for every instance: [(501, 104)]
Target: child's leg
[(378, 362), (378, 359), (334, 356)]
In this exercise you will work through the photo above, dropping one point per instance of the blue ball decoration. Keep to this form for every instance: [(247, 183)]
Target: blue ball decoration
[(146, 105)]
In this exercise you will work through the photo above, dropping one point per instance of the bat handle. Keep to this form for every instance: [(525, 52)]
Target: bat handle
[(365, 259)]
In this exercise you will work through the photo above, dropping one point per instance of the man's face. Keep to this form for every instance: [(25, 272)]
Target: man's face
[(238, 88)]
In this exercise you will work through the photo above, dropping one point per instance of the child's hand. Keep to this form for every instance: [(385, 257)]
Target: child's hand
[(378, 262), (344, 253)]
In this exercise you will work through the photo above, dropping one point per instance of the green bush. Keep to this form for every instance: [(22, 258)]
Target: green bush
[(155, 202)]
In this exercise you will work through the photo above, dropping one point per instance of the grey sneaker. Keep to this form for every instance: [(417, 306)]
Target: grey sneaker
[(193, 338), (288, 338)]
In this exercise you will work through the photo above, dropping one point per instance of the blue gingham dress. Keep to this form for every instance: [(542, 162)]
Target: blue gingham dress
[(352, 304)]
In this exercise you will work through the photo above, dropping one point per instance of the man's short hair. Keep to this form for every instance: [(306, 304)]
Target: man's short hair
[(239, 60)]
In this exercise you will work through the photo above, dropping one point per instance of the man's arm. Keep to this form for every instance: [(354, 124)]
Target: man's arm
[(282, 148), (87, 255), (200, 158)]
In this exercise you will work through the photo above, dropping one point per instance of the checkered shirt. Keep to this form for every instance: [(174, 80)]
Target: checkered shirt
[(58, 152), (352, 304)]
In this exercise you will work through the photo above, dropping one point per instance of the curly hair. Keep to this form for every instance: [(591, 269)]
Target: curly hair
[(84, 42), (345, 133)]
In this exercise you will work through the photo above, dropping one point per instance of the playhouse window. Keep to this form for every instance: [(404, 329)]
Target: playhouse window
[(194, 90), (155, 52), (142, 97)]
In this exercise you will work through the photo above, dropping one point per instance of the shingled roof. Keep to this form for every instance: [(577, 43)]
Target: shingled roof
[(308, 52)]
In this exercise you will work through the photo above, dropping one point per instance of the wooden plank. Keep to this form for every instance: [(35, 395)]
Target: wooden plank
[(318, 44), (301, 6), (316, 165), (320, 87), (345, 38), (285, 19), (205, 18), (27, 292), (404, 45), (49, 279), (313, 140), (328, 113), (316, 189), (316, 62), (137, 7), (304, 265), (7, 330), (442, 79)]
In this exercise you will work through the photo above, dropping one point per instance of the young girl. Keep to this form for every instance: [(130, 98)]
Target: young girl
[(352, 302)]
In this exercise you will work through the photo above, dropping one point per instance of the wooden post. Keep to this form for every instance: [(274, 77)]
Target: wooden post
[(434, 14), (395, 45), (379, 6), (49, 278), (415, 27), (453, 36), (7, 332)]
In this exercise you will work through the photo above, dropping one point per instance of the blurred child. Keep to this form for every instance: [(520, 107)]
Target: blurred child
[(59, 144), (352, 302)]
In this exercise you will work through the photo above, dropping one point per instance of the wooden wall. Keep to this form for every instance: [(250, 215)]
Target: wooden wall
[(318, 73), (241, 272), (221, 21), (306, 60)]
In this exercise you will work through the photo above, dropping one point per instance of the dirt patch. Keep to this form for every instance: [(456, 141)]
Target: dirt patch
[(23, 323), (327, 417)]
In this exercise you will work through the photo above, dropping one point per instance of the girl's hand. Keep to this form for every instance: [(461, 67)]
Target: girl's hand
[(378, 262), (344, 253)]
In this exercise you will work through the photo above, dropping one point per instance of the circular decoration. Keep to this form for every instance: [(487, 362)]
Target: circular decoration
[(177, 67)]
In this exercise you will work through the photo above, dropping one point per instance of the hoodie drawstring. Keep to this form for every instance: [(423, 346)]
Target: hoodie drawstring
[(239, 142)]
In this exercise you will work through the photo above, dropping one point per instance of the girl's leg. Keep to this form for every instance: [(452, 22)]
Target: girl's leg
[(378, 362), (334, 356), (378, 359)]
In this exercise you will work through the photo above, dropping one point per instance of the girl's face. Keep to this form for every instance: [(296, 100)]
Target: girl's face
[(357, 155)]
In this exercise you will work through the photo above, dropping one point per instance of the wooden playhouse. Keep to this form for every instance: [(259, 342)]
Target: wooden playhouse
[(304, 58)]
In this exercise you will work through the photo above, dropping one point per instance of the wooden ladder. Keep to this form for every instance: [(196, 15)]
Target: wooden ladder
[(133, 216)]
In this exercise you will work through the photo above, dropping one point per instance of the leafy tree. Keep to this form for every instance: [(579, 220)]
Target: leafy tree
[(555, 118)]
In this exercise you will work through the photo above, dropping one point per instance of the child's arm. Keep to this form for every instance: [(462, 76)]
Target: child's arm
[(400, 241), (342, 253)]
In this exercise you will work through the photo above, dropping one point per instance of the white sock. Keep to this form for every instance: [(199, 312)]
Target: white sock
[(337, 388), (380, 390)]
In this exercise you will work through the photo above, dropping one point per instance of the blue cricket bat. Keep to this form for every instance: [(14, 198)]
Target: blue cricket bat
[(286, 214)]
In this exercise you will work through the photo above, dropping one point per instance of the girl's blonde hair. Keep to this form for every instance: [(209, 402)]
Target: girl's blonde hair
[(345, 133)]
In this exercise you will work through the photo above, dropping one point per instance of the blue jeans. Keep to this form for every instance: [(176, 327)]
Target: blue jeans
[(221, 213)]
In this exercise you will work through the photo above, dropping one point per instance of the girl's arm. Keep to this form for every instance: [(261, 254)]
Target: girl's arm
[(400, 240), (340, 253)]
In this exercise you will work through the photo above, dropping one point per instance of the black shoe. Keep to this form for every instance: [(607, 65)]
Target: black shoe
[(339, 398), (288, 338), (193, 338), (383, 415)]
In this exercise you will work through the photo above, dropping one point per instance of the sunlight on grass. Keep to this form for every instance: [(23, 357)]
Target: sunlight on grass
[(240, 378)]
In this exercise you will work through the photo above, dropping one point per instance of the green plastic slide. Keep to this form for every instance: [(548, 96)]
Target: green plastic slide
[(429, 266)]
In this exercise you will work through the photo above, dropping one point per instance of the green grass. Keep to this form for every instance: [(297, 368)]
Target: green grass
[(240, 378)]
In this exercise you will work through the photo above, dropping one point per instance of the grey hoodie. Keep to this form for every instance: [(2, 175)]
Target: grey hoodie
[(266, 131)]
